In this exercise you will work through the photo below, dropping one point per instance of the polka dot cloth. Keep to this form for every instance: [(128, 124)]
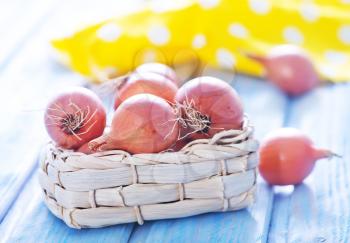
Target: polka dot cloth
[(216, 32)]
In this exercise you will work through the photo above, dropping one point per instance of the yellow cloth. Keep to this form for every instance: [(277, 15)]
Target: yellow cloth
[(216, 32)]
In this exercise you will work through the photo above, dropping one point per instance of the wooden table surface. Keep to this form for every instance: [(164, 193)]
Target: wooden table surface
[(316, 211)]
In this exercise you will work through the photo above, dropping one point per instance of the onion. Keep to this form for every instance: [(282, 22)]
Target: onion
[(74, 118), (179, 144), (150, 83), (290, 68), (144, 123), (159, 68), (85, 149), (287, 157), (209, 105)]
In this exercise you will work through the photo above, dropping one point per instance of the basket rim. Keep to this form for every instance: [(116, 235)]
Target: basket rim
[(246, 127)]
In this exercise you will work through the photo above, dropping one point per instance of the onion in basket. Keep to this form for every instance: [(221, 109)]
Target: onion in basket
[(158, 68), (143, 123), (75, 117), (146, 83), (209, 105), (85, 149)]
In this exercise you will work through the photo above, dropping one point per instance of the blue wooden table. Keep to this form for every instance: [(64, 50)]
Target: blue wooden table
[(316, 211)]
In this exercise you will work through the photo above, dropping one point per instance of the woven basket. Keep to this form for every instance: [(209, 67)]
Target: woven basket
[(114, 187)]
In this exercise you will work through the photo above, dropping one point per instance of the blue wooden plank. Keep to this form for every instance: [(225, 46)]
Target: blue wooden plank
[(318, 210), (23, 108), (30, 221), (23, 132), (28, 81), (265, 106)]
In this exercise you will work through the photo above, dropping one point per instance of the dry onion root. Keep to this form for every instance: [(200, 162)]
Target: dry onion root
[(74, 118), (208, 105)]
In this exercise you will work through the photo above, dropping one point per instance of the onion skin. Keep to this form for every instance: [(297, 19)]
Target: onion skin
[(289, 68), (85, 149), (159, 68), (146, 83), (144, 123), (75, 103), (180, 144), (287, 157), (216, 100)]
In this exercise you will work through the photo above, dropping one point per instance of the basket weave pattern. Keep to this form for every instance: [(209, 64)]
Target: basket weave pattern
[(113, 187)]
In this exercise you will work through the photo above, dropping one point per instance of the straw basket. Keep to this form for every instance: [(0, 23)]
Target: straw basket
[(114, 187)]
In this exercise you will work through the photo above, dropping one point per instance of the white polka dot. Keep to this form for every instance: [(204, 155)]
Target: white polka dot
[(309, 11), (336, 57), (260, 6), (199, 41), (225, 58), (293, 35), (160, 6), (345, 1), (109, 32), (344, 34), (158, 35), (207, 4), (238, 30)]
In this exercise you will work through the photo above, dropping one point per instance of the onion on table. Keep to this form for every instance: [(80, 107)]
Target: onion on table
[(287, 157), (143, 123), (74, 117), (208, 106), (289, 68)]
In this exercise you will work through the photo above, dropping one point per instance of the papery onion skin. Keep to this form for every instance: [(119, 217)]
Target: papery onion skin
[(287, 157), (289, 68), (75, 106), (146, 83), (159, 68), (216, 100), (143, 123)]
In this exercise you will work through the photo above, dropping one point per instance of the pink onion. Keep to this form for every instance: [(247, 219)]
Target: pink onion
[(159, 68), (287, 157), (143, 123), (290, 68), (74, 117), (209, 105), (146, 83)]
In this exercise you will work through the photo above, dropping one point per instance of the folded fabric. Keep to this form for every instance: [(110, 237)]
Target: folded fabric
[(215, 32)]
